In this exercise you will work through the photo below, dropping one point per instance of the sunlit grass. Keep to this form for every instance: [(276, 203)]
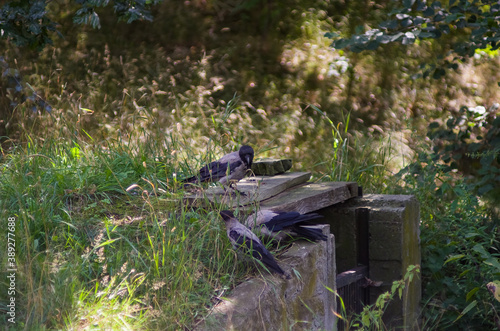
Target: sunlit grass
[(92, 255)]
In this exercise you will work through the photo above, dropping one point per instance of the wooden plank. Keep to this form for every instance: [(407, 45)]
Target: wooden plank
[(311, 197), (351, 276), (256, 188)]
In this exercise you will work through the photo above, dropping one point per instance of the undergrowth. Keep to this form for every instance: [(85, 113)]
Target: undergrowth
[(460, 245)]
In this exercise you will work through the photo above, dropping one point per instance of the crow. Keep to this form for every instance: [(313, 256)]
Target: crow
[(247, 242), (281, 225), (228, 169)]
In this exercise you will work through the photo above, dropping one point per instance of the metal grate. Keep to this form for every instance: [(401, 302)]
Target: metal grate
[(351, 288)]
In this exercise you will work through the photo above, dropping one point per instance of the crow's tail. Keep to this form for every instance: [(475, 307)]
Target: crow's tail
[(313, 234), (273, 266)]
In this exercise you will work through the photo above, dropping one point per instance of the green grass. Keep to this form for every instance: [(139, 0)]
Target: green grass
[(90, 254)]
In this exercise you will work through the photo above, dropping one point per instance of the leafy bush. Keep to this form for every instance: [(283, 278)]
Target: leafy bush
[(472, 24), (460, 242), (31, 23), (470, 143)]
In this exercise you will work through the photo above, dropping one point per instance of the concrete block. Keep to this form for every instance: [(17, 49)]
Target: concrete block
[(386, 241), (344, 227), (394, 244), (271, 167), (386, 226), (271, 303)]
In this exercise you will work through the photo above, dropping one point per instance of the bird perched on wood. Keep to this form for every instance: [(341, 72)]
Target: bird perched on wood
[(247, 242), (228, 169), (282, 225)]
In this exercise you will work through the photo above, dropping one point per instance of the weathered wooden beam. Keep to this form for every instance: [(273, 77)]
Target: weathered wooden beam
[(311, 197), (351, 276), (256, 189)]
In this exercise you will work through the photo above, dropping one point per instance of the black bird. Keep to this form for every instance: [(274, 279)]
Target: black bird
[(247, 242), (228, 169), (282, 225)]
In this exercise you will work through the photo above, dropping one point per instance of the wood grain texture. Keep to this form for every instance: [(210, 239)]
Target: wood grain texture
[(256, 188), (311, 197)]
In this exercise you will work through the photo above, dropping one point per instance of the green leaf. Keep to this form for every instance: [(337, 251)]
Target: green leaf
[(331, 35), (390, 25), (341, 43), (493, 262), (106, 243), (471, 234), (409, 38), (406, 22), (454, 258), (372, 45), (452, 17), (408, 3), (365, 320), (397, 36), (471, 293), (429, 11), (485, 189), (75, 152), (466, 310), (480, 249), (465, 272)]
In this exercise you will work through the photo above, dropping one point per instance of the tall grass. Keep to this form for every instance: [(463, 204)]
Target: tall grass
[(90, 254), (356, 157)]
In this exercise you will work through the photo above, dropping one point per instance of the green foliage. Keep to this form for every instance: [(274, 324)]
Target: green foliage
[(125, 111), (128, 11), (25, 23), (470, 143), (371, 316), (29, 22), (353, 158), (473, 24), (460, 246), (182, 90)]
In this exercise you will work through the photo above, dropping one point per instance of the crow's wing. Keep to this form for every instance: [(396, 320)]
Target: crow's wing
[(281, 221), (216, 170), (287, 219), (258, 251)]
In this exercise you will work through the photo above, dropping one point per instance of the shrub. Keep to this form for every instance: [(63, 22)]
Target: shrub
[(460, 246)]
